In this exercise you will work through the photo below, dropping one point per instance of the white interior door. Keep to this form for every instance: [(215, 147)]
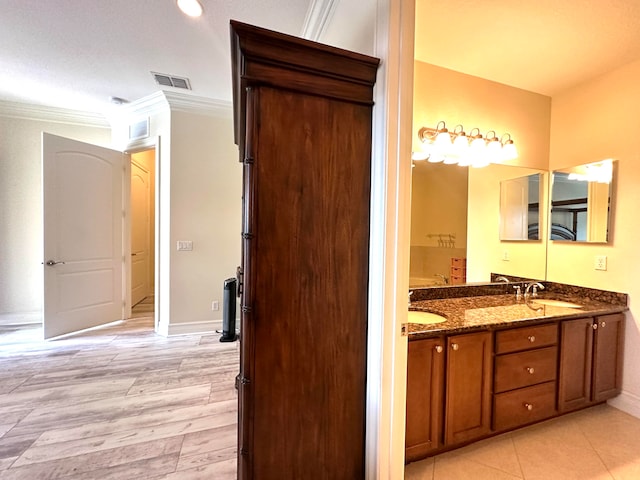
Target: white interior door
[(140, 231), (83, 244)]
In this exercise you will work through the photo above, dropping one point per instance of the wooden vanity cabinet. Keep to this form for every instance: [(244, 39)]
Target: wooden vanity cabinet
[(590, 361), (468, 387), (425, 397), (303, 115)]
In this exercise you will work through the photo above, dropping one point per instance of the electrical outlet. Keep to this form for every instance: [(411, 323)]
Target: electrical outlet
[(185, 245), (600, 262), (505, 256), (215, 305)]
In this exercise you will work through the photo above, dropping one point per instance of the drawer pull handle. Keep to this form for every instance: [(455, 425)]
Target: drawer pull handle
[(531, 338), (603, 324), (438, 348), (528, 406), (454, 346), (595, 326), (531, 370)]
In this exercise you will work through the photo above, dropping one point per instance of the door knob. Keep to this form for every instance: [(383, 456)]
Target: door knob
[(51, 263), (528, 406), (531, 370), (438, 348)]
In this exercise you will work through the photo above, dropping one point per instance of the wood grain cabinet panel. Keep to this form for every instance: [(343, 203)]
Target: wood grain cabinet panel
[(608, 357), (303, 126), (576, 354), (468, 387), (425, 394), (590, 361), (522, 369), (524, 405), (525, 338)]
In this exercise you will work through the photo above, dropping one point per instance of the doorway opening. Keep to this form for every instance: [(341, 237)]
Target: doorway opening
[(142, 232)]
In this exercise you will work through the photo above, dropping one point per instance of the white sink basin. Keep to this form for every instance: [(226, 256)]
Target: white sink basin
[(425, 318), (555, 303)]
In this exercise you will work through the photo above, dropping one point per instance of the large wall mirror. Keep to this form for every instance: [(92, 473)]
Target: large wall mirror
[(581, 202), (455, 225)]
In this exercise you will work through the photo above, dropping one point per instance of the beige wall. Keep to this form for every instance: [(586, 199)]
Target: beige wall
[(442, 94), (21, 210), (591, 122), (206, 191)]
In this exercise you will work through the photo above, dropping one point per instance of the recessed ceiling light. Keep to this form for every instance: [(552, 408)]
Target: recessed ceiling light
[(193, 8)]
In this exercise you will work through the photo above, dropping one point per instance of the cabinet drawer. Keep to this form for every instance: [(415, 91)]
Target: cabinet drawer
[(458, 262), (526, 338), (523, 406), (460, 271), (458, 279), (523, 369)]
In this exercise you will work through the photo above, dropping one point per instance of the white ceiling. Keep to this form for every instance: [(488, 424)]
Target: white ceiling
[(544, 46), (75, 54)]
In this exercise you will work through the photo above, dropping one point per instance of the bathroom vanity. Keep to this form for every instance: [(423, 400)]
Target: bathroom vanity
[(498, 363)]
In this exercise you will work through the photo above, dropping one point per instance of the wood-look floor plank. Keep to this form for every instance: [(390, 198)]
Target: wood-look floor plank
[(115, 407), (118, 402), (136, 422), (54, 451), (190, 462), (95, 465), (225, 470), (209, 440)]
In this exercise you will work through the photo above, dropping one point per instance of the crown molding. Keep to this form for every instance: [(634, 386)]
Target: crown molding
[(180, 102), (153, 104), (28, 111), (318, 18)]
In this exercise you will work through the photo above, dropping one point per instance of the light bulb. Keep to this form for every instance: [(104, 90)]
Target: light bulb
[(509, 151), (193, 8)]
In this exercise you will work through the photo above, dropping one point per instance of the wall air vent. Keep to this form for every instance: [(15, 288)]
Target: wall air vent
[(171, 81)]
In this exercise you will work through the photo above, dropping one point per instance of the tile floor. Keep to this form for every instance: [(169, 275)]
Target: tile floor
[(600, 443)]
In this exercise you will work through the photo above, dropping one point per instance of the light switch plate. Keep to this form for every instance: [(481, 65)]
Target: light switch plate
[(600, 262), (505, 255), (185, 245)]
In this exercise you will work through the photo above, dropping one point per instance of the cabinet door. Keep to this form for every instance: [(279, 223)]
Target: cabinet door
[(576, 352), (607, 356), (468, 390), (425, 378)]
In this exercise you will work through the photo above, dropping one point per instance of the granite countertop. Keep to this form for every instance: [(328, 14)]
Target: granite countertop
[(466, 314)]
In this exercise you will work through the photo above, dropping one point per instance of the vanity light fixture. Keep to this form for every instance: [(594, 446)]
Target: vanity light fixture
[(599, 172), (192, 8), (456, 147)]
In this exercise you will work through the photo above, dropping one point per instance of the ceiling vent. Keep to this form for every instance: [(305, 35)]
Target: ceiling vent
[(171, 81)]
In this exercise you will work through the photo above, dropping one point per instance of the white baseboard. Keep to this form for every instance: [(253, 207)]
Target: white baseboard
[(188, 328), (20, 318), (627, 402)]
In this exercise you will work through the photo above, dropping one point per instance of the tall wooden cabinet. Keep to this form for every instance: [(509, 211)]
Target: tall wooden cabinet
[(302, 114)]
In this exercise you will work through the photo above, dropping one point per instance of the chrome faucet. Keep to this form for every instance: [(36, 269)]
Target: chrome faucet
[(410, 293), (502, 278), (534, 289)]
